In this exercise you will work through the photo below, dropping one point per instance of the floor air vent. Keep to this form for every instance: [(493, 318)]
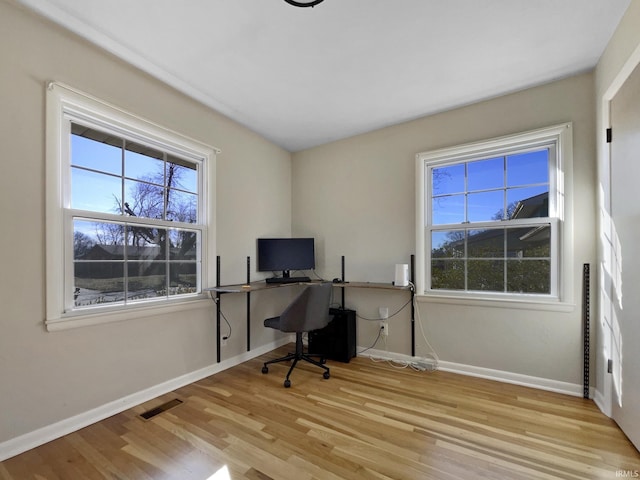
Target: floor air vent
[(159, 409)]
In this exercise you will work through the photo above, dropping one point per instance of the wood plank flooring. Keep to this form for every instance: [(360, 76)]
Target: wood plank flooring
[(368, 421)]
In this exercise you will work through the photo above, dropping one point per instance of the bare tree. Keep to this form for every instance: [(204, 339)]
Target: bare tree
[(82, 243)]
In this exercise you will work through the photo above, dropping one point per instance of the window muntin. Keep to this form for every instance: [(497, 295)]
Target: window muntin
[(491, 215)]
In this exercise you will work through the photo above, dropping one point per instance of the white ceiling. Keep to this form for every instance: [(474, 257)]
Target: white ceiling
[(302, 77)]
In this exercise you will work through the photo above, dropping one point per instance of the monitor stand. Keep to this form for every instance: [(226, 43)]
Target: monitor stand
[(287, 278)]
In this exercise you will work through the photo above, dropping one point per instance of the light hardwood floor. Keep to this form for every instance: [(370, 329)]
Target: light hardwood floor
[(368, 421)]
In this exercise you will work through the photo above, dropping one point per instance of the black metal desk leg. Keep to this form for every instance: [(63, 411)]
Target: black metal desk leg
[(413, 308), (218, 309), (248, 305)]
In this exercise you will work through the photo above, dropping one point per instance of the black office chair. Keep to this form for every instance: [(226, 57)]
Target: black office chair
[(309, 311)]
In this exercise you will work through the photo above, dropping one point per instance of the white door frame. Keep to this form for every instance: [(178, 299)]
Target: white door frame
[(604, 398)]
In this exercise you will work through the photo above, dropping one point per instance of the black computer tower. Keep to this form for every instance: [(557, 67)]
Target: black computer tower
[(336, 341)]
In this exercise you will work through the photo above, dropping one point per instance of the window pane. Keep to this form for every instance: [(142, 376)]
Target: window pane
[(447, 274), (528, 168), (449, 209), (146, 279), (485, 206), (529, 276), (97, 240), (183, 278), (96, 283), (485, 275), (98, 262), (529, 242), (143, 163), (95, 192), (144, 200), (449, 244), (447, 180), (184, 245), (146, 243), (182, 206), (528, 202), (182, 174), (485, 174), (487, 243), (96, 155)]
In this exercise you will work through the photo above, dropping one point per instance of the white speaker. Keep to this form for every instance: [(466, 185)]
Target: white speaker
[(402, 275)]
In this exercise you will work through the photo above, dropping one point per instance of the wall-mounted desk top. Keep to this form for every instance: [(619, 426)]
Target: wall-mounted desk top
[(262, 285)]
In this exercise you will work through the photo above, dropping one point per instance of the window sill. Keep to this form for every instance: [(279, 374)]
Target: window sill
[(79, 319), (545, 304)]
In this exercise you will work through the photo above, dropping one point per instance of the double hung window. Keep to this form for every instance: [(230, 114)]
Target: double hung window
[(491, 216), (128, 211)]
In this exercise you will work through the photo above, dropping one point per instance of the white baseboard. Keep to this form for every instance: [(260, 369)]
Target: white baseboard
[(43, 435), (547, 384), (600, 401), (490, 374)]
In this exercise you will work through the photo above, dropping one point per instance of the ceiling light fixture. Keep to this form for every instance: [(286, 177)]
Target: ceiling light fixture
[(304, 4)]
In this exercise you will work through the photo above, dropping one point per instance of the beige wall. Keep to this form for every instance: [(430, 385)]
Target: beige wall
[(47, 377), (358, 196)]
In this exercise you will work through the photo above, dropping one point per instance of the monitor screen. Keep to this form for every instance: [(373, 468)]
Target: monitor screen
[(285, 254)]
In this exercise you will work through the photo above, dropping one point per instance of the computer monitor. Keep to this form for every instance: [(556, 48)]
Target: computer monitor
[(285, 254)]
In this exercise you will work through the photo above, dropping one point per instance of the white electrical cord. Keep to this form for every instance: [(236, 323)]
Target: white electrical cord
[(431, 357), (432, 353), (401, 364)]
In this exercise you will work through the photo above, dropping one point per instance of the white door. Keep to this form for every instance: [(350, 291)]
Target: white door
[(625, 213)]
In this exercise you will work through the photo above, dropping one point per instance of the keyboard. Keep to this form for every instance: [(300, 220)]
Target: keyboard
[(287, 279)]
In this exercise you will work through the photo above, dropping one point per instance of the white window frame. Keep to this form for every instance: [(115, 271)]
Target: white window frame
[(560, 214), (64, 106)]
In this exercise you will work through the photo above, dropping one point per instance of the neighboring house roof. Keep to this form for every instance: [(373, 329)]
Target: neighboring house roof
[(532, 207)]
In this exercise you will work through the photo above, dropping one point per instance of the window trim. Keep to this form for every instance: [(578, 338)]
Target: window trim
[(64, 105), (560, 178)]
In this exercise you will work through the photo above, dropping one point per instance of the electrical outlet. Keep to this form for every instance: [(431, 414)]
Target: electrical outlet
[(223, 342), (384, 327), (384, 312)]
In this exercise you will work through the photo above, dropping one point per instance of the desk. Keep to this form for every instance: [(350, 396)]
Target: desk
[(249, 287), (262, 285), (253, 287)]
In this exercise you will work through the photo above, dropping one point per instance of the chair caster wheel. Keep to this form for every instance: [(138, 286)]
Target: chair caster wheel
[(326, 375), (287, 383), (265, 369)]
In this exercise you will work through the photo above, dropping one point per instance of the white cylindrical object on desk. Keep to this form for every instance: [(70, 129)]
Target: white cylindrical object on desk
[(402, 275)]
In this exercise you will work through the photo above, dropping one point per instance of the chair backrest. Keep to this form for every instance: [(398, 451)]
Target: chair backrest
[(309, 311)]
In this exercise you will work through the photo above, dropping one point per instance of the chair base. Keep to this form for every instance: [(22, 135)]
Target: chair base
[(297, 356)]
